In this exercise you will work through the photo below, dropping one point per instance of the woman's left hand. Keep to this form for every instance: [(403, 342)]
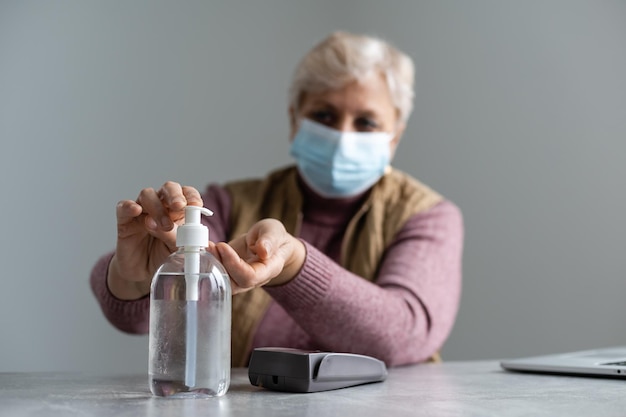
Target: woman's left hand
[(265, 255)]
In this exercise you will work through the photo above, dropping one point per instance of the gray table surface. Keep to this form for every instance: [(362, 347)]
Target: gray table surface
[(446, 389)]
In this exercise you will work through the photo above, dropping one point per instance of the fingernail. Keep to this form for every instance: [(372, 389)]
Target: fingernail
[(150, 223), (266, 245), (178, 200), (165, 221)]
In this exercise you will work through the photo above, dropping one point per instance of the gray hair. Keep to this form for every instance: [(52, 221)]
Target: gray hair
[(344, 57)]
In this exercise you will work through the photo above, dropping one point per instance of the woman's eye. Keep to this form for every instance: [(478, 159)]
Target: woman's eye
[(324, 117), (366, 124)]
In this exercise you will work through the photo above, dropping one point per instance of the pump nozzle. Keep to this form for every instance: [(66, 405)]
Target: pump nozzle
[(193, 233), (192, 214)]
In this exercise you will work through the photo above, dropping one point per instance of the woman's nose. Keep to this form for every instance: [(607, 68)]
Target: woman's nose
[(346, 124)]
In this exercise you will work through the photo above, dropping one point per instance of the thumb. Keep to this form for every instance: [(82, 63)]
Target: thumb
[(168, 237)]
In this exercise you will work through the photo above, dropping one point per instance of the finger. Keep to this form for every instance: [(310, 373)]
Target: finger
[(172, 196), (263, 247), (249, 273), (192, 196), (153, 207), (212, 249), (239, 271), (168, 239), (265, 236), (126, 211), (128, 215), (240, 246)]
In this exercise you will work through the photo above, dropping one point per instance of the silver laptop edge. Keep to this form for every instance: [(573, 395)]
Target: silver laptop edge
[(609, 362)]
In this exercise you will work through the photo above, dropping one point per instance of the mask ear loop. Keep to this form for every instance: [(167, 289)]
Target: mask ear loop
[(392, 135)]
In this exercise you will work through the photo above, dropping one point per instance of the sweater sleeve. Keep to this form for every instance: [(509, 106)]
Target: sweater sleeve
[(406, 315), (133, 316), (128, 316)]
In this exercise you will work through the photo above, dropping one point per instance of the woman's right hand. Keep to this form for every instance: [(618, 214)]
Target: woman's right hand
[(146, 235)]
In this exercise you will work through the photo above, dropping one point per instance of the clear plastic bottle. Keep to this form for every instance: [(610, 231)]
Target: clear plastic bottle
[(190, 318)]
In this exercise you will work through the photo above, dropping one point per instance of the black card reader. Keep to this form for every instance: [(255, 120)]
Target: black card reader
[(295, 370)]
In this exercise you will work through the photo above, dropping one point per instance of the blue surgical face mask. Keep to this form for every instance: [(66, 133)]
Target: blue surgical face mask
[(340, 164)]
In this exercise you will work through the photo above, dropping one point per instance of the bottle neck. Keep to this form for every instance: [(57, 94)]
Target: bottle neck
[(191, 249)]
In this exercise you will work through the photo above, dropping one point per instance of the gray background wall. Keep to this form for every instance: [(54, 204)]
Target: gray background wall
[(520, 118)]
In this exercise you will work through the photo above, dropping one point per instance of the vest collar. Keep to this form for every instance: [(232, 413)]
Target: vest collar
[(329, 211)]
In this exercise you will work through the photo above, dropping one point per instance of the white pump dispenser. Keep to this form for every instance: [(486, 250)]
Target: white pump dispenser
[(193, 232), (193, 236), (190, 317)]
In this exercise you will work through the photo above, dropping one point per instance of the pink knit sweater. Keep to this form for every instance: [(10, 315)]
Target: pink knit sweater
[(404, 317)]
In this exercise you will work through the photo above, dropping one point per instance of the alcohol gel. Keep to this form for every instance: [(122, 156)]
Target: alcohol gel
[(190, 317)]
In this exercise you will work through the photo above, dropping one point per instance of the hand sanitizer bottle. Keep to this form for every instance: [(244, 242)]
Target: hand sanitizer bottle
[(190, 317)]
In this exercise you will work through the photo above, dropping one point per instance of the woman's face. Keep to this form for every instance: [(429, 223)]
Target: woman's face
[(363, 106)]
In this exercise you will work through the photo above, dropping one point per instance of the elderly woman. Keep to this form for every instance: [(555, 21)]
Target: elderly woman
[(339, 252)]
